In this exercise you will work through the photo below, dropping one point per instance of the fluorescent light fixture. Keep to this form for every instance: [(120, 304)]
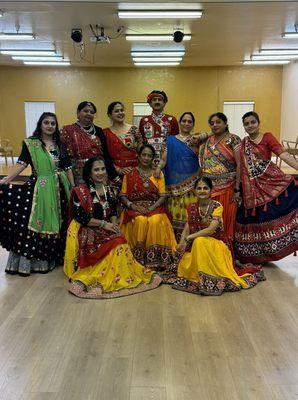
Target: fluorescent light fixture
[(277, 57), (156, 59), (290, 35), (160, 14), (156, 64), (38, 58), (28, 52), (47, 63), (158, 53), (266, 62), (274, 52), (16, 36), (154, 38)]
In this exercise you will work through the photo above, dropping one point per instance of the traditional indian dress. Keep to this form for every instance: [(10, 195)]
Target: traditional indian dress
[(151, 236), (267, 220), (34, 215), (207, 266), (122, 148), (155, 129), (99, 263), (217, 160), (181, 171), (82, 145)]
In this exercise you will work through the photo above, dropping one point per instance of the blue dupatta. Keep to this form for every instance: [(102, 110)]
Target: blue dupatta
[(182, 166)]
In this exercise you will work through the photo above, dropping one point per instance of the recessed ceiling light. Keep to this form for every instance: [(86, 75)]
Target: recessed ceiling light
[(47, 63), (290, 35), (37, 58), (274, 52), (266, 62), (156, 64), (158, 53), (274, 57), (28, 52), (16, 36), (160, 14), (157, 59), (155, 38)]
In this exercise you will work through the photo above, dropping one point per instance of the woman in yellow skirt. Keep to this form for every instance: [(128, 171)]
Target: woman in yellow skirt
[(144, 220), (98, 260), (206, 266)]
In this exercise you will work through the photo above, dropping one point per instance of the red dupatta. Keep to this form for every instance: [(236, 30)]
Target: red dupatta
[(122, 151), (94, 242), (80, 145), (144, 195), (262, 181)]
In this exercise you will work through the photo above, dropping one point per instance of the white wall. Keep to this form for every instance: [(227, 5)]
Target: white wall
[(289, 104)]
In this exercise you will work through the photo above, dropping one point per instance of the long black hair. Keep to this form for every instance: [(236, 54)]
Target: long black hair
[(86, 173), (37, 134)]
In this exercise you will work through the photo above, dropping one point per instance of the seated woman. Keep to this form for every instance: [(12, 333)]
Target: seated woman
[(144, 221), (206, 266), (122, 139), (98, 260)]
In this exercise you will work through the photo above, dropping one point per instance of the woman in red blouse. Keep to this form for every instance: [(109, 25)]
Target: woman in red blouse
[(267, 220), (122, 139)]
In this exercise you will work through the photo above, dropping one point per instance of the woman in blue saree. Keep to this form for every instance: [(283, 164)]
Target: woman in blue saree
[(181, 168)]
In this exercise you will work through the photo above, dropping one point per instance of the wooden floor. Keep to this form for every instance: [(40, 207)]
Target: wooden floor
[(159, 345)]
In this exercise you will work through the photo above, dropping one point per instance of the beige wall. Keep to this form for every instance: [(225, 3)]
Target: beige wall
[(289, 107), (200, 90)]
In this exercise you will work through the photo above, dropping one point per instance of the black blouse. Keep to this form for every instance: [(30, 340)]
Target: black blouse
[(104, 208), (61, 154)]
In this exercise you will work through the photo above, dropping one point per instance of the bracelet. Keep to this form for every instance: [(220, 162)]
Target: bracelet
[(129, 204)]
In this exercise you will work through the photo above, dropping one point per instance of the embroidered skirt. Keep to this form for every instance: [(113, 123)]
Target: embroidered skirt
[(152, 240), (269, 235), (117, 274)]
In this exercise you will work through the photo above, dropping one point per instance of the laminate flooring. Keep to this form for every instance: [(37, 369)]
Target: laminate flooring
[(159, 345)]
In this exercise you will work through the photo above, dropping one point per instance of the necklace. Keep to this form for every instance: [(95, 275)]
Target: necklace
[(104, 203), (145, 176), (256, 138), (203, 215), (219, 140), (90, 131)]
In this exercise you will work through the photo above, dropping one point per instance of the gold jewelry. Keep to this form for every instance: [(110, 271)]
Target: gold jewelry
[(206, 212)]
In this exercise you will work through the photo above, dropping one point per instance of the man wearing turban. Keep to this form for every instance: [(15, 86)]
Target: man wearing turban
[(156, 127)]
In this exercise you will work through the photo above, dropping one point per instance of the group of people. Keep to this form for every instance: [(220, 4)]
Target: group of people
[(127, 208)]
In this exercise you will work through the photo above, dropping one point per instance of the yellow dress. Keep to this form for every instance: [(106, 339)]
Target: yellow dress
[(208, 267), (115, 274), (151, 237)]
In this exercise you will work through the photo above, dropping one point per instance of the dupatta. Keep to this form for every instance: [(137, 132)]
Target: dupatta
[(45, 217), (182, 167), (262, 181)]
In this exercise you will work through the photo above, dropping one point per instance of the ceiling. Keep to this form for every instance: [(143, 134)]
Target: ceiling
[(227, 33)]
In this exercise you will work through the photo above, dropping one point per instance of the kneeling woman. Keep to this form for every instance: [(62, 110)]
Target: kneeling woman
[(144, 221), (207, 266), (98, 260)]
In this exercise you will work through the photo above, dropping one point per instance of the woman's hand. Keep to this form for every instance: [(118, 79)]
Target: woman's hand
[(140, 209), (111, 227), (237, 198), (4, 181), (156, 172), (189, 238), (181, 247)]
